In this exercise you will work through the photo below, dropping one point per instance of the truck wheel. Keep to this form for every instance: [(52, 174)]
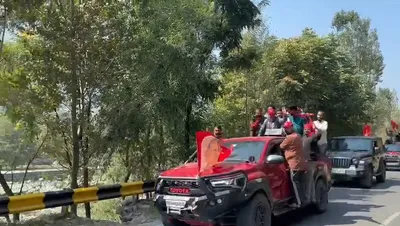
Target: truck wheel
[(368, 179), (381, 178), (321, 197), (256, 213)]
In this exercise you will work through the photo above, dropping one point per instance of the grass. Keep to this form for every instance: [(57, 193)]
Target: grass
[(103, 210)]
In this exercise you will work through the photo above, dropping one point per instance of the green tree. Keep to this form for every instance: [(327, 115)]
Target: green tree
[(132, 74), (69, 52), (361, 42), (308, 71)]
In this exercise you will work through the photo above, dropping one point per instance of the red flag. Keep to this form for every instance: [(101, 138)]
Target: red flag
[(225, 153), (209, 150), (367, 131), (394, 125), (310, 127)]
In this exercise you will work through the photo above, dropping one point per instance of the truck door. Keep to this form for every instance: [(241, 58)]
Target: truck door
[(278, 174), (378, 154)]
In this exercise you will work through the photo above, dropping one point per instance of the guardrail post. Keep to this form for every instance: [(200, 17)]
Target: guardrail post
[(7, 218), (65, 209)]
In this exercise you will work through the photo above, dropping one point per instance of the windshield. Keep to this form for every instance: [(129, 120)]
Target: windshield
[(242, 150), (393, 148), (350, 144)]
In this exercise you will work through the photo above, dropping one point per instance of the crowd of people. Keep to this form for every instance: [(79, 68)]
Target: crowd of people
[(302, 123), (304, 137)]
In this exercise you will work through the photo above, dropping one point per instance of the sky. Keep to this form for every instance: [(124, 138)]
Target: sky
[(287, 18)]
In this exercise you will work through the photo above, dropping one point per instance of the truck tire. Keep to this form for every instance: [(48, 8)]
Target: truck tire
[(381, 178), (257, 212), (368, 179), (321, 197)]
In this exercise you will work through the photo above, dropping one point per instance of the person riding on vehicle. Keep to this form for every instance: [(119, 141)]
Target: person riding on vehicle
[(293, 151), (256, 123), (322, 126), (270, 122), (282, 115), (311, 153), (218, 133), (310, 142), (297, 119)]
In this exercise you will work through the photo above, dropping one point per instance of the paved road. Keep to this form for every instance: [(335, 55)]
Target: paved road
[(379, 206)]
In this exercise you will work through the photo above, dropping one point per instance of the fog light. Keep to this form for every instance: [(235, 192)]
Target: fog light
[(219, 201), (212, 203)]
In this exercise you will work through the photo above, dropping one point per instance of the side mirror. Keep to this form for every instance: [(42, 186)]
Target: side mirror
[(275, 159)]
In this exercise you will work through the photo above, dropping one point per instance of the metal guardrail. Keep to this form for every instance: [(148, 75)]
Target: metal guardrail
[(38, 201)]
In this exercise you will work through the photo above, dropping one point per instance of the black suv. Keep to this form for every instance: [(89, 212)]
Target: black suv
[(357, 158)]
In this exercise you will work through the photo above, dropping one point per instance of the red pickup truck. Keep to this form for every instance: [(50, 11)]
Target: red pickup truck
[(247, 188)]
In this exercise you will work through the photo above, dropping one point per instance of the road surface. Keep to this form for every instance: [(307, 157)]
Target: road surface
[(352, 206), (379, 206)]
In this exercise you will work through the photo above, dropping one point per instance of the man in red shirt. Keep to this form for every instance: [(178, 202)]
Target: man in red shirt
[(293, 150), (256, 123)]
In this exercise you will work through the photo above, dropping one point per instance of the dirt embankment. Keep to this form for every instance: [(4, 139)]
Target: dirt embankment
[(129, 212)]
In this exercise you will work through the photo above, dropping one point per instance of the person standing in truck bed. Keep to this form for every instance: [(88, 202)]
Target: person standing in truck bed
[(256, 123), (293, 150), (270, 122), (297, 120), (322, 127)]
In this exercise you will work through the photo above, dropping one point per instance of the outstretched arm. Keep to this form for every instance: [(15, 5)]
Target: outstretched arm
[(285, 143)]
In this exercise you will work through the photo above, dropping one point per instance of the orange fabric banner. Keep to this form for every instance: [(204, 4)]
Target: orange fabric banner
[(210, 151)]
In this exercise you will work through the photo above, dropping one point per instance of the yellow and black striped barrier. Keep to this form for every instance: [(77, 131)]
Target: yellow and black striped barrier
[(37, 201)]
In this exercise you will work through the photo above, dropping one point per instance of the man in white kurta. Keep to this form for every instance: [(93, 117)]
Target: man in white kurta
[(322, 127)]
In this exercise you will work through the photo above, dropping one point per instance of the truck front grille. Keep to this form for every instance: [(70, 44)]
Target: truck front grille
[(182, 183), (193, 185), (341, 163), (390, 158)]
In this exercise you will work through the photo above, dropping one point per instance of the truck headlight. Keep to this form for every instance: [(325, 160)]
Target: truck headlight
[(355, 162), (159, 183), (238, 180)]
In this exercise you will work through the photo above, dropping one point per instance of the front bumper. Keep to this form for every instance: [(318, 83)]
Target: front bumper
[(393, 165), (343, 174), (199, 209)]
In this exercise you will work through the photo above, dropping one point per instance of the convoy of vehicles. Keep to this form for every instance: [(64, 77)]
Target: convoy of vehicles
[(247, 188), (254, 183), (357, 158)]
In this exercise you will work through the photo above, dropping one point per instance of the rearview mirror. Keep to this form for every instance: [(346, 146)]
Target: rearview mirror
[(275, 159)]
